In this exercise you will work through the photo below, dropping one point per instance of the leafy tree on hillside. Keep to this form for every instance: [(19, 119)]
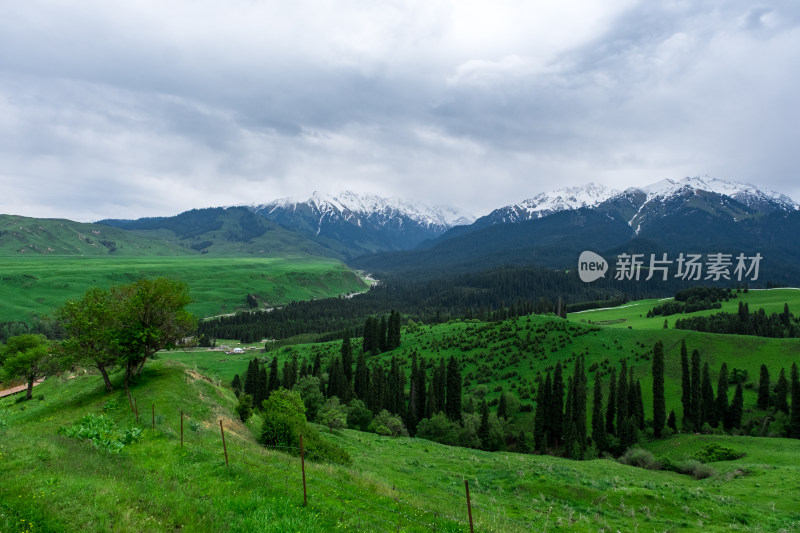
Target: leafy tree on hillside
[(29, 356), (659, 400)]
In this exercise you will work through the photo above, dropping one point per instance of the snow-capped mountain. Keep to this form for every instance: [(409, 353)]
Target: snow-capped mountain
[(547, 203), (358, 223), (643, 204)]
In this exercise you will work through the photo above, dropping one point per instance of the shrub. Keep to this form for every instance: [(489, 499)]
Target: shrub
[(704, 471), (714, 452), (387, 424), (102, 432), (641, 458), (244, 409)]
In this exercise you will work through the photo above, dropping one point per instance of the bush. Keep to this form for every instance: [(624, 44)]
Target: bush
[(244, 409), (714, 452), (102, 432), (358, 415), (640, 458), (388, 425), (704, 471)]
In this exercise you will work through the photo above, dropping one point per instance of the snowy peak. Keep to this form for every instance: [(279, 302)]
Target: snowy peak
[(349, 204), (744, 193), (547, 203)]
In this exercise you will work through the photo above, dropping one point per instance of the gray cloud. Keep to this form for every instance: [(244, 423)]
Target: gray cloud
[(152, 108)]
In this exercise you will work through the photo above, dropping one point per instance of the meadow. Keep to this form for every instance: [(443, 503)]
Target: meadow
[(31, 287), (155, 484)]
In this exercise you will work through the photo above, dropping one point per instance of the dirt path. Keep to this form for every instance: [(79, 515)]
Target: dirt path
[(19, 388)]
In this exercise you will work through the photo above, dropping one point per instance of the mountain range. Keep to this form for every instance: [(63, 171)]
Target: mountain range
[(698, 214)]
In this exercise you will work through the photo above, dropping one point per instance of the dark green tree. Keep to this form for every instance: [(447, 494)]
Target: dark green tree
[(659, 400), (483, 428), (440, 385), (453, 398), (763, 388), (794, 417), (347, 357), (697, 398), (274, 381), (781, 389), (622, 396), (736, 409), (361, 378), (539, 423), (557, 408), (599, 436), (687, 421), (611, 406), (672, 421), (236, 385), (709, 410), (721, 407), (501, 405)]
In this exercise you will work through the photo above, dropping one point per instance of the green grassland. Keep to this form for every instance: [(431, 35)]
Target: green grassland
[(634, 314), (34, 286), (55, 483)]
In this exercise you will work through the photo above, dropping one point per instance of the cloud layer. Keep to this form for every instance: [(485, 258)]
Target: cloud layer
[(141, 108)]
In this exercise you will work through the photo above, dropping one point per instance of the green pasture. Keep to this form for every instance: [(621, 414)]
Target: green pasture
[(31, 287), (55, 483), (634, 314)]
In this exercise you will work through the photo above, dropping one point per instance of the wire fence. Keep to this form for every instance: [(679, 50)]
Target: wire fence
[(367, 502)]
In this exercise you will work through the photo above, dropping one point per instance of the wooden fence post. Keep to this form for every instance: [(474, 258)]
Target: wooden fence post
[(224, 447), (469, 507), (303, 467)]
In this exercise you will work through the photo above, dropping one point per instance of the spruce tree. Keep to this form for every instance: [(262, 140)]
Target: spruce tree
[(781, 389), (721, 408), (709, 413), (659, 400), (440, 385), (557, 408), (250, 378), (687, 421), (317, 370), (420, 386), (697, 399), (453, 398), (501, 406), (794, 417), (539, 423), (261, 387), (236, 385), (274, 382), (361, 378), (347, 357), (431, 408), (547, 409), (622, 395), (763, 388), (599, 436), (672, 421), (628, 432), (579, 405), (611, 406), (639, 405), (382, 346), (736, 409), (483, 429), (377, 384)]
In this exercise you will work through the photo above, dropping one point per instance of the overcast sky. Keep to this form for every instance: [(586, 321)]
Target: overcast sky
[(141, 108)]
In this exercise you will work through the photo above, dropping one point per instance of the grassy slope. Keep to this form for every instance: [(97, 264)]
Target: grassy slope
[(217, 285), (60, 484)]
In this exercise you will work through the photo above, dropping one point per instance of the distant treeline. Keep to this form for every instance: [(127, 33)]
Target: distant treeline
[(492, 295), (694, 299), (744, 322)]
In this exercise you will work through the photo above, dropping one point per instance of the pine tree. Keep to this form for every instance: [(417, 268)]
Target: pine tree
[(440, 386), (721, 408), (781, 389), (659, 400), (672, 421), (261, 387), (639, 405), (547, 409), (317, 370), (697, 399), (599, 436), (347, 357), (556, 415), (794, 417), (453, 398), (736, 409), (382, 346), (539, 424), (622, 396), (274, 382), (763, 388), (236, 385), (483, 429), (628, 433), (377, 384), (420, 386), (431, 408), (611, 406), (250, 378), (709, 411), (687, 421), (361, 378), (501, 406), (579, 405)]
